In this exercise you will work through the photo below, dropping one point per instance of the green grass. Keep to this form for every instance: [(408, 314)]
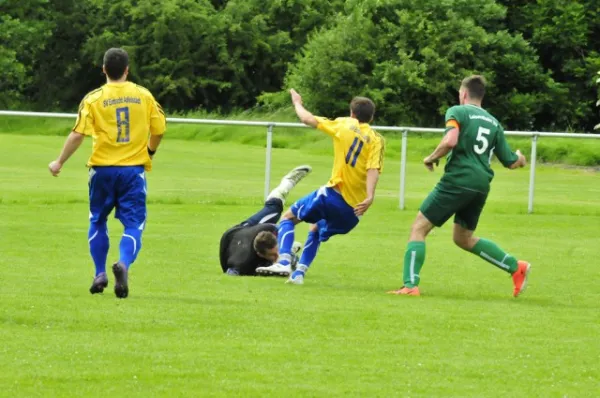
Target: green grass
[(188, 330), (578, 152)]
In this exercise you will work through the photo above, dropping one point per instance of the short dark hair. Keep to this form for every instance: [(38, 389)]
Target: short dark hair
[(475, 86), (116, 61), (264, 241), (363, 109)]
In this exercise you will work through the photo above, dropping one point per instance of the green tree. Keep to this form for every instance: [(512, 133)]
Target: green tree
[(410, 55), (597, 127), (565, 35), (191, 54), (62, 76), (24, 31)]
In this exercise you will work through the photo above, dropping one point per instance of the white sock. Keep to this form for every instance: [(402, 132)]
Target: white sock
[(286, 185)]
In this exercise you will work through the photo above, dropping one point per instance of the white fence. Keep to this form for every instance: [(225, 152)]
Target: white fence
[(404, 130)]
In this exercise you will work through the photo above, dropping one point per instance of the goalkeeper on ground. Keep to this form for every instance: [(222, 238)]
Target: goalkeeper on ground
[(253, 243)]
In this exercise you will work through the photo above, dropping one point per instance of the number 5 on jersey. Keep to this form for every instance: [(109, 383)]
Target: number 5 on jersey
[(354, 155), (482, 139), (123, 124)]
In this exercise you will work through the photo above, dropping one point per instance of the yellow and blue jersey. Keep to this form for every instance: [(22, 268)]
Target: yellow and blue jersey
[(357, 148), (120, 117)]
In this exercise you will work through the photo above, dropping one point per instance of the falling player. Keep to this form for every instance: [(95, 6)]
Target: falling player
[(336, 207)]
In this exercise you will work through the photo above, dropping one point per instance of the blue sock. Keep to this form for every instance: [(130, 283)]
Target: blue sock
[(285, 239), (99, 244), (310, 251), (130, 246)]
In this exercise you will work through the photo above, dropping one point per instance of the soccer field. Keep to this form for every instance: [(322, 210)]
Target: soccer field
[(189, 330)]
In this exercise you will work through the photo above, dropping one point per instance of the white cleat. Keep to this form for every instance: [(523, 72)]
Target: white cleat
[(296, 247), (289, 181), (297, 278), (275, 270), (297, 174)]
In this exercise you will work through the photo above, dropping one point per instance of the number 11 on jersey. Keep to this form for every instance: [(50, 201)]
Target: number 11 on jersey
[(351, 151)]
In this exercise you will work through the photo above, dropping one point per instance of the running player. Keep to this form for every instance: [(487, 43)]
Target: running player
[(127, 125), (336, 207), (472, 136)]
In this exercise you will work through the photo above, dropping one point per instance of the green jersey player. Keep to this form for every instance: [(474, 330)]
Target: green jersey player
[(473, 135)]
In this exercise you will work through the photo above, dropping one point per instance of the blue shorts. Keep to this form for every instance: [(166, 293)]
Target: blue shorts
[(120, 187), (328, 210)]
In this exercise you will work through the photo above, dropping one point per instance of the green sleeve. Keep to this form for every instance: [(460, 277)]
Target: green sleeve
[(502, 150), (454, 113)]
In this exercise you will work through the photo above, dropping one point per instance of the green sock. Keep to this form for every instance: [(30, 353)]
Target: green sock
[(413, 262), (491, 253)]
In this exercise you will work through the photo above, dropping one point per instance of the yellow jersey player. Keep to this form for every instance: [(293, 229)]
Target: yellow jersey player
[(336, 207), (127, 125)]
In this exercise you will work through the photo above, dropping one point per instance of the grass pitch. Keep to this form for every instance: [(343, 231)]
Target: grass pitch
[(188, 330)]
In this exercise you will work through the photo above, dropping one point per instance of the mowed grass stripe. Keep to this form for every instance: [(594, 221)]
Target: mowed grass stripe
[(188, 330)]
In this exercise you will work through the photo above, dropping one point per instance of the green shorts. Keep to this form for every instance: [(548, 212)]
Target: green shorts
[(447, 200)]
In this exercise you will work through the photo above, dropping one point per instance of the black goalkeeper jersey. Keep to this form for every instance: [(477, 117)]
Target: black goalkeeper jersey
[(237, 248)]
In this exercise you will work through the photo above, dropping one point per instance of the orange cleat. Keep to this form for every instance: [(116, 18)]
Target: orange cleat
[(406, 291), (520, 277)]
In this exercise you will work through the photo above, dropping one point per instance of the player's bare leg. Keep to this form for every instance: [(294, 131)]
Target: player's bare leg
[(414, 256), (494, 255)]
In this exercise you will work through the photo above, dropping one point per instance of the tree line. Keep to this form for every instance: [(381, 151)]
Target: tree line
[(540, 57)]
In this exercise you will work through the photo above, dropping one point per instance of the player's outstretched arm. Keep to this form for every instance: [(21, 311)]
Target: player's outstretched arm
[(446, 145), (305, 116), (72, 143)]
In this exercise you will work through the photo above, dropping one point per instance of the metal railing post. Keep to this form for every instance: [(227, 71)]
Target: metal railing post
[(534, 139), (403, 129), (403, 169), (268, 161)]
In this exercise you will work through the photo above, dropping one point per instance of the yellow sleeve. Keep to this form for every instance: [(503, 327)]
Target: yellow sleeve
[(85, 120), (329, 127), (377, 152), (158, 122)]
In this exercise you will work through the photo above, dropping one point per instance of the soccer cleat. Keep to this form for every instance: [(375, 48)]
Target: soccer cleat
[(297, 278), (288, 182), (406, 291), (275, 269), (296, 247), (121, 286), (99, 283), (520, 277)]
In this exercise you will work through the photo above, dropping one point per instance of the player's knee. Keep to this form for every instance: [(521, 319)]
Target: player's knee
[(462, 241), (417, 232), (288, 215)]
